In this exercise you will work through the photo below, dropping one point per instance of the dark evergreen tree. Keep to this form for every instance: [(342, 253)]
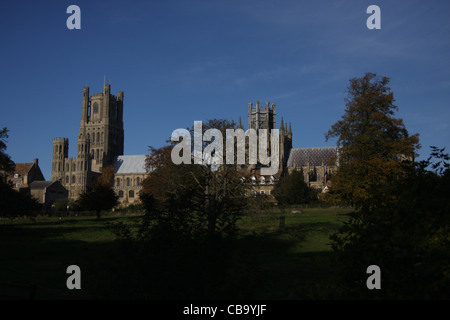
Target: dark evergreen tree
[(292, 189), (6, 164)]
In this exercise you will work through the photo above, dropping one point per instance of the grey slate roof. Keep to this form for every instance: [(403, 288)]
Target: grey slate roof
[(40, 184), (129, 164), (316, 156)]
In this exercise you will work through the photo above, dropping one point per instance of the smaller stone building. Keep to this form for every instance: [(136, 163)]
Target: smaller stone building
[(24, 174), (47, 192), (129, 172), (28, 178)]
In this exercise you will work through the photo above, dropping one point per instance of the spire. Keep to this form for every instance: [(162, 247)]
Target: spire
[(290, 131), (240, 124), (282, 125)]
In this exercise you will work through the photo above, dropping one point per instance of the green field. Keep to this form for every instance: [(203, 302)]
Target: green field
[(289, 262)]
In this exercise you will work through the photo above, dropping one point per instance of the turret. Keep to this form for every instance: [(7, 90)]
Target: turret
[(120, 96), (250, 107), (274, 116), (257, 115), (106, 104), (85, 105)]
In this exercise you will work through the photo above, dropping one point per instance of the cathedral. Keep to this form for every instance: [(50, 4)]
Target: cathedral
[(100, 144), (317, 164)]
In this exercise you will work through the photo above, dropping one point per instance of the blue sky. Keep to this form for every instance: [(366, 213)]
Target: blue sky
[(181, 61)]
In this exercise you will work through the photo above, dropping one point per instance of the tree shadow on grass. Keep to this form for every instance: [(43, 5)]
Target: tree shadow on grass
[(259, 266), (254, 267)]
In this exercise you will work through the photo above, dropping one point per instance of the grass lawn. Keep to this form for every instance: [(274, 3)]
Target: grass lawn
[(296, 258), (39, 253), (289, 260)]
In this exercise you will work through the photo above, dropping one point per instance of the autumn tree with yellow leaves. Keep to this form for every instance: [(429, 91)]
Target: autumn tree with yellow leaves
[(375, 149), (401, 217)]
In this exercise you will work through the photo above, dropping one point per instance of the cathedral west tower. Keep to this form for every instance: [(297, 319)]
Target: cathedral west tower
[(102, 125), (100, 140)]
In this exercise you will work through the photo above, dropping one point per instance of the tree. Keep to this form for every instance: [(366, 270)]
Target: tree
[(14, 203), (401, 216), (193, 200), (183, 247), (60, 205), (6, 164), (100, 195), (408, 238), (375, 148), (170, 198), (107, 177), (292, 189)]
